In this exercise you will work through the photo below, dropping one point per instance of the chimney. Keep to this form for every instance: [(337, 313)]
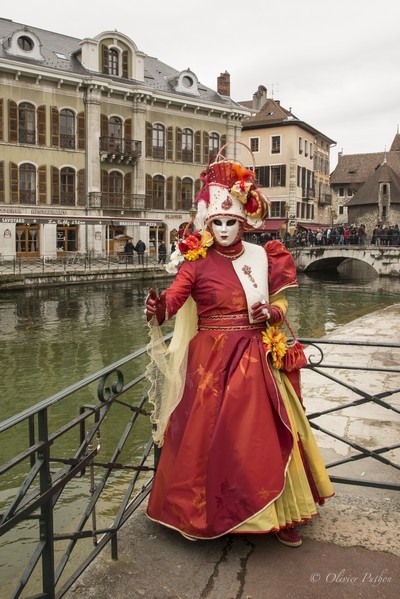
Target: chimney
[(224, 84), (259, 98)]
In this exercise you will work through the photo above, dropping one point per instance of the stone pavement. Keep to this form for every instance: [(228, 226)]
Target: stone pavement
[(351, 550)]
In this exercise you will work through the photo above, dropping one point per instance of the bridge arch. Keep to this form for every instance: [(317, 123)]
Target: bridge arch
[(383, 260)]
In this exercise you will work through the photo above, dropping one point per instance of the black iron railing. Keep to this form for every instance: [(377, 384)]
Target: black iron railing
[(78, 464)]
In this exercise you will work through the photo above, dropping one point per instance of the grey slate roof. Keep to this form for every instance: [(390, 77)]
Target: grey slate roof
[(369, 192), (358, 168), (156, 73)]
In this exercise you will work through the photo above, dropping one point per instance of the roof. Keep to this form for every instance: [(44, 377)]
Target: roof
[(55, 46), (357, 168), (272, 114), (369, 192)]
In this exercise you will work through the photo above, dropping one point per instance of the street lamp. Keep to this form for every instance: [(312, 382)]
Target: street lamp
[(333, 216)]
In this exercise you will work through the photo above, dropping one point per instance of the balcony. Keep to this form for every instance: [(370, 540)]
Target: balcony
[(325, 199), (307, 193), (100, 200), (119, 150)]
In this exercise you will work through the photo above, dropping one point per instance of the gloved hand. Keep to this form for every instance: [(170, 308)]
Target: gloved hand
[(156, 306), (264, 311)]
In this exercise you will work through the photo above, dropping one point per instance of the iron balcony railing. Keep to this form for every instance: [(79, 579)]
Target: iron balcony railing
[(76, 466), (116, 148)]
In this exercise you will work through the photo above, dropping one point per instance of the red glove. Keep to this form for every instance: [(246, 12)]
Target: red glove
[(156, 306), (264, 311)]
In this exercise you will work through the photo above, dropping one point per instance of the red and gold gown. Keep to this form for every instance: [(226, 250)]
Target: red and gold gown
[(238, 454)]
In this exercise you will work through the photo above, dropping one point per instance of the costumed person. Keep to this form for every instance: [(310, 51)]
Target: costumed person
[(238, 454)]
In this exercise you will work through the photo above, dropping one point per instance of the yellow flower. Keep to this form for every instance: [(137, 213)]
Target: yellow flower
[(206, 239), (275, 340), (195, 254)]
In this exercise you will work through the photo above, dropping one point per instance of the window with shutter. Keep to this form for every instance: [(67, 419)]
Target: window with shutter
[(1, 119), (206, 147), (125, 72), (55, 185), (14, 182), (26, 123), (104, 181), (178, 193), (104, 55), (42, 184), (170, 191), (170, 143), (187, 145), (81, 131), (149, 140), (27, 183), (149, 192), (12, 121), (197, 146), (41, 125), (81, 188), (55, 127), (178, 144), (2, 182), (67, 129), (67, 186)]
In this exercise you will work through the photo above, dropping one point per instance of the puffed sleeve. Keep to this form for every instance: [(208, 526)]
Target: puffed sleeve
[(281, 267)]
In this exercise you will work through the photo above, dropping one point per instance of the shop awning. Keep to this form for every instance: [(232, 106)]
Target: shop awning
[(271, 225), (313, 226)]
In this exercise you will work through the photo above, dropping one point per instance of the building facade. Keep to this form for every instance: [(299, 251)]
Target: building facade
[(292, 164), (366, 187), (99, 141)]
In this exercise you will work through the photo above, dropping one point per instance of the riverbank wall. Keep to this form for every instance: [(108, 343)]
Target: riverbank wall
[(38, 277)]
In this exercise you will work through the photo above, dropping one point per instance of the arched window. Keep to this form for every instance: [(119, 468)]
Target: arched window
[(158, 192), (115, 182), (27, 184), (158, 140), (67, 129), (26, 123), (214, 143), (113, 60), (67, 186), (115, 133), (187, 145), (187, 193)]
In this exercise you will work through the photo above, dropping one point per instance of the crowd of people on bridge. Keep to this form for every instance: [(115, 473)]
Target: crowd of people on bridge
[(382, 235)]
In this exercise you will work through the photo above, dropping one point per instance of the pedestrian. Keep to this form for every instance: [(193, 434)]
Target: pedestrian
[(140, 249), (128, 251), (162, 253), (238, 454)]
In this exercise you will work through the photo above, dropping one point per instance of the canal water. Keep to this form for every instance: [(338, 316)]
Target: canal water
[(53, 337)]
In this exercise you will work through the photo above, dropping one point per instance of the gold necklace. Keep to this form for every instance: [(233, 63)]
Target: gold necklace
[(229, 256)]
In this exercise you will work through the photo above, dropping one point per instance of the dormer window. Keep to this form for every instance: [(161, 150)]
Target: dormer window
[(185, 82), (113, 61), (25, 43)]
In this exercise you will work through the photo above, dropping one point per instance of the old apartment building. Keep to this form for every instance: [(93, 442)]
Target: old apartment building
[(292, 161), (99, 140)]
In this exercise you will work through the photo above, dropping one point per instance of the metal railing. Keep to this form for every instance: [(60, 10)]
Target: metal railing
[(77, 465), (76, 262)]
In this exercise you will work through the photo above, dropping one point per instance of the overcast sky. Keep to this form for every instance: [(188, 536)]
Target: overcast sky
[(336, 64)]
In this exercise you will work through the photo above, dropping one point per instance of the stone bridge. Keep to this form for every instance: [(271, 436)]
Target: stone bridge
[(385, 260)]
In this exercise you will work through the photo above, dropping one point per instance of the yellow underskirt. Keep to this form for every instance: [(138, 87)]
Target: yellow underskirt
[(296, 504)]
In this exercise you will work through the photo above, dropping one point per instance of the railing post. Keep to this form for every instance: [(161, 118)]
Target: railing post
[(46, 510)]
